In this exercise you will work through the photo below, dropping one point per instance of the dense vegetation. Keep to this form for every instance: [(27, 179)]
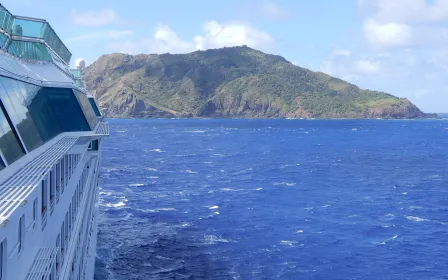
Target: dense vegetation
[(230, 82)]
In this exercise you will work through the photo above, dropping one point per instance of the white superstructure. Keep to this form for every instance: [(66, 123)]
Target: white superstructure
[(51, 134)]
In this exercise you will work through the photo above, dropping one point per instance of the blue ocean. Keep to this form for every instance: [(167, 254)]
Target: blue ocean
[(274, 199)]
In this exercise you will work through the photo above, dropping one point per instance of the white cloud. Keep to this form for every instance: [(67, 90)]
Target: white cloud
[(215, 35), (100, 35), (341, 52), (272, 10), (94, 18), (231, 34), (408, 10), (388, 34), (367, 66)]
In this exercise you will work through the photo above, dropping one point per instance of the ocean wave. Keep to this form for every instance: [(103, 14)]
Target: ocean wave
[(155, 150), (385, 241), (289, 243), (288, 184), (119, 204), (214, 207), (213, 239), (156, 210), (289, 165), (415, 219), (136, 185)]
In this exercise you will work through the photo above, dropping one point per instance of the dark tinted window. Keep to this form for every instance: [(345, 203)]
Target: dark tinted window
[(39, 114), (87, 109), (2, 164), (94, 107), (14, 91), (9, 144), (56, 110)]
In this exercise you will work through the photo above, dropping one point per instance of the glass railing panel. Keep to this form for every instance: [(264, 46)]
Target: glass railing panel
[(28, 28), (5, 19), (76, 73), (3, 40), (56, 44), (24, 27), (29, 50)]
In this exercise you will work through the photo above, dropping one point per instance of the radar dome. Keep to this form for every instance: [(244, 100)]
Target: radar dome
[(80, 63)]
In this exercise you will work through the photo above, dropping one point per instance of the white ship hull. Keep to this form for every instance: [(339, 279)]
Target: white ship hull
[(51, 134)]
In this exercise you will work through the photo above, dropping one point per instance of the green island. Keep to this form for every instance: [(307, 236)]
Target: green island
[(235, 82)]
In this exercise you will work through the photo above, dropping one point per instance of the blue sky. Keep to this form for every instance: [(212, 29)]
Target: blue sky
[(397, 46)]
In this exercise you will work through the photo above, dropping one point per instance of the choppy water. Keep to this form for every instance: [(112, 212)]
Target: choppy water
[(274, 199)]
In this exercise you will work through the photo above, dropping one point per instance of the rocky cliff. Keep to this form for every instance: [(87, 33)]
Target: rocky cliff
[(230, 82)]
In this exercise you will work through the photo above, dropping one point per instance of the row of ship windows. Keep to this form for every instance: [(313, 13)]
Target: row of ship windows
[(31, 115), (62, 170)]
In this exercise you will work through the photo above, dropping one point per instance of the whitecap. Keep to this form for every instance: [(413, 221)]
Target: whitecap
[(259, 189), (213, 239), (289, 165), (415, 219), (190, 171), (157, 150), (288, 184), (289, 243), (387, 240), (106, 193), (152, 177), (136, 185), (299, 231), (156, 210), (326, 206), (214, 207), (114, 205), (217, 213), (196, 131), (151, 169)]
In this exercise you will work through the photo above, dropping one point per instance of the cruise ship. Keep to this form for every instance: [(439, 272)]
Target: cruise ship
[(51, 133)]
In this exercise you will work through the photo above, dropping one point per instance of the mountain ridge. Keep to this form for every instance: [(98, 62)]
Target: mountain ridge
[(238, 82)]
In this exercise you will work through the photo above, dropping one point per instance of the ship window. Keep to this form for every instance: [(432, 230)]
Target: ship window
[(62, 174), (66, 226), (44, 195), (21, 233), (94, 107), (15, 92), (63, 240), (2, 258), (34, 212), (58, 176), (9, 142), (58, 245), (70, 220), (87, 109), (52, 185), (2, 164), (57, 110)]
